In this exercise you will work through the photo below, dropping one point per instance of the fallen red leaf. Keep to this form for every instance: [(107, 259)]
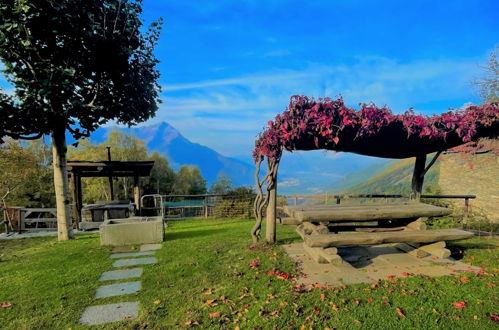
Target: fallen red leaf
[(494, 318), (254, 264), (390, 276), (5, 304), (323, 297), (317, 309), (460, 304), (252, 247), (400, 312), (463, 279), (213, 315), (370, 300)]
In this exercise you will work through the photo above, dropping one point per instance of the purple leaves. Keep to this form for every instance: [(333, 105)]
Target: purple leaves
[(309, 124)]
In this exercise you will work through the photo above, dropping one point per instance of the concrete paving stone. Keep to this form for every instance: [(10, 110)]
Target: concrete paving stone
[(134, 262), (131, 254), (121, 274), (150, 247), (101, 314), (117, 289), (120, 249)]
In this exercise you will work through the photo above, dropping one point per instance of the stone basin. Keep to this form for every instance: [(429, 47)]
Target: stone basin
[(134, 230)]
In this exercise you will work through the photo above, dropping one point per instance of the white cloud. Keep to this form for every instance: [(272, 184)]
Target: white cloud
[(234, 105)]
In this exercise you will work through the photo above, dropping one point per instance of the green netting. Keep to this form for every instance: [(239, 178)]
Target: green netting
[(188, 203)]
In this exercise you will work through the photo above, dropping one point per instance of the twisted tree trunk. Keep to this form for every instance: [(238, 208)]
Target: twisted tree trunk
[(61, 185), (261, 200)]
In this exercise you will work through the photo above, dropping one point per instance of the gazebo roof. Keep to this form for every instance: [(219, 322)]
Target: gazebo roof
[(328, 124), (110, 168)]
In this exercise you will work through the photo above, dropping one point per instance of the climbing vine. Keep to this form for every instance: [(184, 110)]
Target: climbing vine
[(329, 124)]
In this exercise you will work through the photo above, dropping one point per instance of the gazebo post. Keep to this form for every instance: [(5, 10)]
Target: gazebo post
[(136, 192), (77, 197), (418, 176)]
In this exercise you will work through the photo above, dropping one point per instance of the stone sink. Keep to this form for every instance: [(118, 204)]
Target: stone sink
[(134, 230)]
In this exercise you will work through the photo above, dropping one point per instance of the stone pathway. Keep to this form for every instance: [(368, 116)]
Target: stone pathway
[(100, 314)]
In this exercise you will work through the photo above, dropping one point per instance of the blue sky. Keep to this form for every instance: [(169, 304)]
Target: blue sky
[(229, 66)]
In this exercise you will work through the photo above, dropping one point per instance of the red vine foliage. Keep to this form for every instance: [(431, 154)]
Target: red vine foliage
[(309, 124)]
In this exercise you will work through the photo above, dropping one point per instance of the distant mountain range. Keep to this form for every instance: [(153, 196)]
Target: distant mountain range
[(299, 172), (166, 140)]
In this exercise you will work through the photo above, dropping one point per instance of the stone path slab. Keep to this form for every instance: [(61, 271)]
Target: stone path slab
[(117, 289), (132, 254), (134, 262), (119, 249), (151, 247), (100, 314), (121, 274)]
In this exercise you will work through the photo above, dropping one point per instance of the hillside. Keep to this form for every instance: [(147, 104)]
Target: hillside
[(453, 173), (393, 177)]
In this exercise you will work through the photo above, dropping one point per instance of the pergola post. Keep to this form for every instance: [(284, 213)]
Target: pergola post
[(136, 192), (271, 216), (418, 176), (270, 230), (77, 197)]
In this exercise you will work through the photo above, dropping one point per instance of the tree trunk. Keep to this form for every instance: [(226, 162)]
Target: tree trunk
[(418, 176), (61, 185)]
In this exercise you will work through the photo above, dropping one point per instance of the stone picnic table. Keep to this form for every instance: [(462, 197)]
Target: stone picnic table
[(324, 228)]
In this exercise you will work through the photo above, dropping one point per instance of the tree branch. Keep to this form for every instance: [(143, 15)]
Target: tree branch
[(20, 137), (432, 162)]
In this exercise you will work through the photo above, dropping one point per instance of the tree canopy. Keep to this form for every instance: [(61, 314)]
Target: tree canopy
[(189, 181), (309, 124), (76, 64)]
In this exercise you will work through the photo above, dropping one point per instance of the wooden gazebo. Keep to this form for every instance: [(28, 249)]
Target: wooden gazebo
[(89, 169), (309, 124)]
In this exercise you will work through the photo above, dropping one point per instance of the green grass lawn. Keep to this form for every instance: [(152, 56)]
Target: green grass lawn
[(203, 278)]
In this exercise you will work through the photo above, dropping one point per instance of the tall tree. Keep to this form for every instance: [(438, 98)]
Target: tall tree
[(189, 181), (223, 185), (16, 163), (489, 83), (74, 65), (162, 176)]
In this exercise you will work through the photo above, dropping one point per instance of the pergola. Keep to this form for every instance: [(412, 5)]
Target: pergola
[(309, 124), (89, 169)]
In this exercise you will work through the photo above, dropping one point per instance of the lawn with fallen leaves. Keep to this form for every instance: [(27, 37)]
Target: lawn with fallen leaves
[(210, 275)]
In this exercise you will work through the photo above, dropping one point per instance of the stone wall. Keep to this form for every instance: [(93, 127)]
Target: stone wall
[(476, 175)]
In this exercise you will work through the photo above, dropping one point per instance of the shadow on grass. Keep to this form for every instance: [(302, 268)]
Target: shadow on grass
[(172, 236), (473, 245)]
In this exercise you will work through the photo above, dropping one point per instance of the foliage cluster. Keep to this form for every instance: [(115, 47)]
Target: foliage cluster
[(308, 124), (26, 175), (76, 65)]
